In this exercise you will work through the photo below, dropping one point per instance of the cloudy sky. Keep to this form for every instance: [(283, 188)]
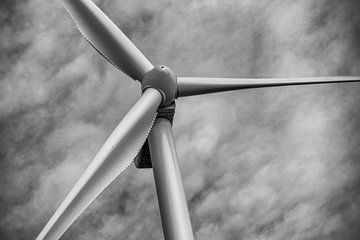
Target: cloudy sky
[(279, 163)]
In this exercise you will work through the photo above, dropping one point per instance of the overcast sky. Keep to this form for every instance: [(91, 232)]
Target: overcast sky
[(279, 163)]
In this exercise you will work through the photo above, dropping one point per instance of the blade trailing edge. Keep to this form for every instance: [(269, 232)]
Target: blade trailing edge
[(107, 38)]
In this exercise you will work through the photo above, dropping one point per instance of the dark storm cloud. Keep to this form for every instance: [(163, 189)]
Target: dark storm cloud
[(262, 164)]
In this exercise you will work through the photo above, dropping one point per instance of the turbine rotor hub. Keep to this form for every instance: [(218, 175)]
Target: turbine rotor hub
[(164, 80)]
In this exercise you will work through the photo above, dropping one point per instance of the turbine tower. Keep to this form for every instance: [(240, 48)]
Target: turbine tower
[(145, 133)]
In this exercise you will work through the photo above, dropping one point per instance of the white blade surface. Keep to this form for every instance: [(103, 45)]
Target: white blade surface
[(188, 86), (107, 38), (113, 157)]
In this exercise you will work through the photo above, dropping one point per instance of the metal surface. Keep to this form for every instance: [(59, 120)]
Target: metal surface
[(113, 157), (172, 202), (164, 80), (107, 38), (143, 159), (167, 112), (195, 86)]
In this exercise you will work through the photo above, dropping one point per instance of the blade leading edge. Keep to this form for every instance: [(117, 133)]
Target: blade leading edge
[(188, 86), (113, 157), (107, 38)]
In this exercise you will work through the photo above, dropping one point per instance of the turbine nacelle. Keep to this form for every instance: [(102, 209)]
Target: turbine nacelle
[(164, 80)]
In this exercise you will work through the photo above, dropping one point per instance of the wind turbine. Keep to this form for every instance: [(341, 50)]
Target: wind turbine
[(145, 133)]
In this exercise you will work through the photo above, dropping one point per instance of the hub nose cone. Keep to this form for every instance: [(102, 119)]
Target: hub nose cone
[(163, 79)]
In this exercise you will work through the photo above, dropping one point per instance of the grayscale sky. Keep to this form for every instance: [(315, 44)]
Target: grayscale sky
[(279, 163)]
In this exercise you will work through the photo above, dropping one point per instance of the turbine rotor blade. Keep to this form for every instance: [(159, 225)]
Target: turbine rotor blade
[(113, 157), (188, 86), (107, 38)]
